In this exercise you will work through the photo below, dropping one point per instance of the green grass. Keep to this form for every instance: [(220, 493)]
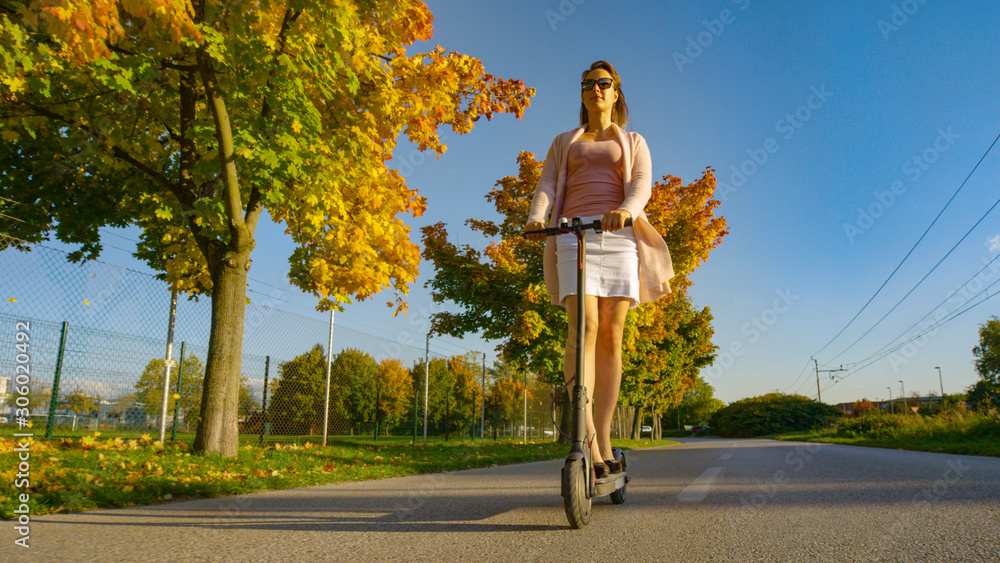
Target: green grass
[(71, 475), (953, 432)]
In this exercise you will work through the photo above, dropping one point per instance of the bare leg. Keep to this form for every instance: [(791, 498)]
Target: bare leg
[(608, 367), (590, 345)]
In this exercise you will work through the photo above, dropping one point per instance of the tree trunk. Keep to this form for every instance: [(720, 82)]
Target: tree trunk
[(627, 414), (228, 264), (637, 424), (657, 433), (218, 432)]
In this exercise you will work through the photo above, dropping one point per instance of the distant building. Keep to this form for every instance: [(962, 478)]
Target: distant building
[(896, 405), (5, 390)]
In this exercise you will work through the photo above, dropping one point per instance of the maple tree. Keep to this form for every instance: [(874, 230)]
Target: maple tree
[(296, 404), (466, 391), (395, 393), (508, 396), (191, 118), (353, 388), (439, 382), (984, 394), (502, 293), (499, 288), (80, 402), (698, 405), (665, 345), (149, 388)]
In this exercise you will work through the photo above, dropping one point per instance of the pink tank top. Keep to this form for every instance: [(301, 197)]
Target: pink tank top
[(594, 178)]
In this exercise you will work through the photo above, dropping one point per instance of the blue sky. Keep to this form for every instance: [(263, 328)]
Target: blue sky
[(839, 130)]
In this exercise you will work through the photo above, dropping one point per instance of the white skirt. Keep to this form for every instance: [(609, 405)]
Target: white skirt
[(612, 264)]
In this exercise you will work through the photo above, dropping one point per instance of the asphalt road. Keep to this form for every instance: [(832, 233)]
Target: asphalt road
[(705, 500)]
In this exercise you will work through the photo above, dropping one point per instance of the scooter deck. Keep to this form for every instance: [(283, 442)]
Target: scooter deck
[(611, 483)]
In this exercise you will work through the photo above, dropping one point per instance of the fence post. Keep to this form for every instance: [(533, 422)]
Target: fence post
[(55, 382), (526, 407), (482, 405), (326, 401), (177, 402), (263, 403), (167, 366), (378, 390), (427, 371)]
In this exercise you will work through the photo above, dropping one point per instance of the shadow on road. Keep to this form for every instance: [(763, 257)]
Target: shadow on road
[(467, 501)]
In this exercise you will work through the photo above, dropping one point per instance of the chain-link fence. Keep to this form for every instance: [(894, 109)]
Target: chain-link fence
[(83, 347)]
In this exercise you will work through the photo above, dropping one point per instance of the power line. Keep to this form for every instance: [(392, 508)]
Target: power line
[(801, 373), (960, 241), (871, 360), (872, 298), (935, 308)]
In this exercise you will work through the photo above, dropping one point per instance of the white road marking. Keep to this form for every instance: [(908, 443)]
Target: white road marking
[(724, 457), (698, 489)]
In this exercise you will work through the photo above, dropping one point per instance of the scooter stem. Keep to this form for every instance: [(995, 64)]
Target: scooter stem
[(579, 390)]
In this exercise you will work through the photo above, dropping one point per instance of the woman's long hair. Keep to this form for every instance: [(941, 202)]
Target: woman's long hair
[(619, 113)]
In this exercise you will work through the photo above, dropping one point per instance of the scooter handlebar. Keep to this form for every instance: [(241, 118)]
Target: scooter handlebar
[(567, 226)]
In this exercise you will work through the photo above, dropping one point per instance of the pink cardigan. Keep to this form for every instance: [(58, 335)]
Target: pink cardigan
[(655, 267)]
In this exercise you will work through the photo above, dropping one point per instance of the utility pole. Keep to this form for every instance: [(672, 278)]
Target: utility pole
[(903, 387), (941, 381), (891, 406), (819, 399)]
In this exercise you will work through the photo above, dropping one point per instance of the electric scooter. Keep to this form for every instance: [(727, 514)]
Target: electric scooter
[(580, 484)]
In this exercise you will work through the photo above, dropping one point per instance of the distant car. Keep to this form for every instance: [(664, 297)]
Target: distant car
[(647, 429), (699, 428)]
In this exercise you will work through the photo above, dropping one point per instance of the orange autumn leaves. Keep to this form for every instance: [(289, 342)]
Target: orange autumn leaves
[(317, 94), (88, 28)]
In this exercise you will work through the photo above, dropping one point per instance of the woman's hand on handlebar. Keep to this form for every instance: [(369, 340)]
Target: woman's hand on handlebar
[(615, 220), (535, 226)]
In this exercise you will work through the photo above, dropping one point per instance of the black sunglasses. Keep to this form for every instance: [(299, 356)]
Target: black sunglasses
[(604, 83)]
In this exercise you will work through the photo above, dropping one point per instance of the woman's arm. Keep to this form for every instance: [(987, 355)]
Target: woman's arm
[(640, 188), (545, 189)]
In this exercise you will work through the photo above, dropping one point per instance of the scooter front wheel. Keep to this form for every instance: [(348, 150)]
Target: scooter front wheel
[(574, 492)]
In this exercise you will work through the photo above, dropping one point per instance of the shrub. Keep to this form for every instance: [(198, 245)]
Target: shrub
[(862, 407), (874, 425), (772, 414)]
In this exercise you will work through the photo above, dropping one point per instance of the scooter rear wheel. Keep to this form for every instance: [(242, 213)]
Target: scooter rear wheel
[(574, 493), (618, 497)]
